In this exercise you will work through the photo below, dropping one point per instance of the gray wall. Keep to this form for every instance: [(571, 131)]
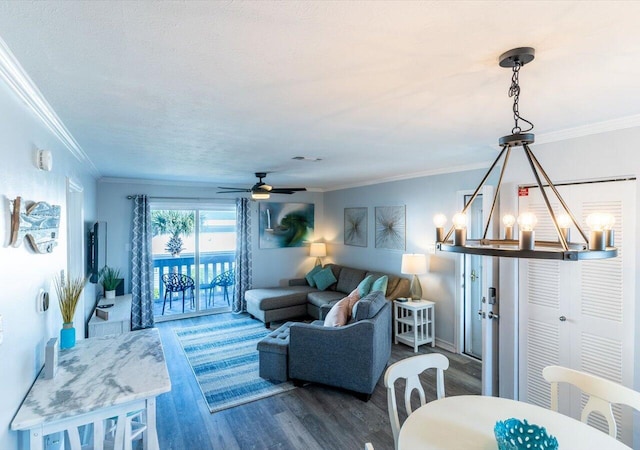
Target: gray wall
[(23, 272), (270, 266)]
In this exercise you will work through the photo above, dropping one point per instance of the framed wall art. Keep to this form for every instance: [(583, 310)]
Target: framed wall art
[(390, 227), (356, 226), (286, 224)]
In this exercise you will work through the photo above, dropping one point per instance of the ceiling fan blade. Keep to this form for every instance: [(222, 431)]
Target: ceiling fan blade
[(287, 190), (232, 190)]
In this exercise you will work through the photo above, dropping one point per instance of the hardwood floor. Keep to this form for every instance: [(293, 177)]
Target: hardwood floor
[(312, 417)]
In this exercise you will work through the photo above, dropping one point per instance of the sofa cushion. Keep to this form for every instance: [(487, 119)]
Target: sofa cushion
[(349, 279), (311, 273), (274, 298), (365, 286), (324, 279), (319, 298), (336, 269), (369, 306), (340, 313)]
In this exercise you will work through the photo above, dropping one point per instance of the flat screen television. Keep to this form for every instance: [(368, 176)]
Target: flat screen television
[(97, 251)]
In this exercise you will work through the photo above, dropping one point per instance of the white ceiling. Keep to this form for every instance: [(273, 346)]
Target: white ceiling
[(214, 91)]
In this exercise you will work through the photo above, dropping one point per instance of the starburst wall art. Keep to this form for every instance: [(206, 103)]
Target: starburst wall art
[(355, 226), (390, 227)]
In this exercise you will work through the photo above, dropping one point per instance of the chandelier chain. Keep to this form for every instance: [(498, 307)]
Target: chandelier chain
[(514, 91)]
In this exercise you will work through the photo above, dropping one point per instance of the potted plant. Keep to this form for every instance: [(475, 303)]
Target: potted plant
[(69, 291), (110, 279)]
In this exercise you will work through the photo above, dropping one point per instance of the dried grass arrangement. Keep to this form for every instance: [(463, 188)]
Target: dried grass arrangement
[(69, 291)]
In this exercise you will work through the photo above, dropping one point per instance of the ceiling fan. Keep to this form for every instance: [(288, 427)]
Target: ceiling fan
[(261, 190)]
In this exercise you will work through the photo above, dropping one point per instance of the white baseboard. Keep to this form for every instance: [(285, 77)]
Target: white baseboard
[(445, 345)]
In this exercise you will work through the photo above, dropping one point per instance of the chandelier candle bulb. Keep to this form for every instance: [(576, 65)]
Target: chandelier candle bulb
[(439, 220), (597, 222), (608, 230), (564, 223), (460, 233), (527, 221), (508, 220)]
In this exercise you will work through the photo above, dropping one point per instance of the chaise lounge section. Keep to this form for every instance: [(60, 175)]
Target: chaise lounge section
[(299, 299)]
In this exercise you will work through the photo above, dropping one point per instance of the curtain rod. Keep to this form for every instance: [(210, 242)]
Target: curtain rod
[(131, 197)]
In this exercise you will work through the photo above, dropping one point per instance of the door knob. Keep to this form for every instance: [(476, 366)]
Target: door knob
[(563, 319), (491, 315), (474, 275)]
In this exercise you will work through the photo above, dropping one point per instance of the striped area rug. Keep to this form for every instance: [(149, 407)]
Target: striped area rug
[(224, 359)]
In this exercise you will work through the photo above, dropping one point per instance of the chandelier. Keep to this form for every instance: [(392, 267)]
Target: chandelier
[(598, 245)]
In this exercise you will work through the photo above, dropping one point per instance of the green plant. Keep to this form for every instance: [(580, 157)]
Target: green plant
[(175, 223), (68, 291), (110, 278)]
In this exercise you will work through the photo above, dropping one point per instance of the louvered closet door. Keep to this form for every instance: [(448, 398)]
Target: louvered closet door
[(595, 297)]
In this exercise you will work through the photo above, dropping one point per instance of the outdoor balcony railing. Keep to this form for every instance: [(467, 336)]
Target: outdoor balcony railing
[(211, 265)]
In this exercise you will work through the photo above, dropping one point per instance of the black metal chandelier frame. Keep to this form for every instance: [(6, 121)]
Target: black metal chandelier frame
[(559, 250)]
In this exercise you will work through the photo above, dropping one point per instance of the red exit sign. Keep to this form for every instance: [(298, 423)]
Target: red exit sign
[(523, 192)]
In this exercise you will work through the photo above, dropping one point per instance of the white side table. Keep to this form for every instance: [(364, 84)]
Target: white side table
[(415, 323)]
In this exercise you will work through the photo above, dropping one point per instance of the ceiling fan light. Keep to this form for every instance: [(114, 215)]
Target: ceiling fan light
[(260, 195)]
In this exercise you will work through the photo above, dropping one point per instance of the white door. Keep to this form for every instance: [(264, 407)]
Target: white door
[(580, 314), (480, 312)]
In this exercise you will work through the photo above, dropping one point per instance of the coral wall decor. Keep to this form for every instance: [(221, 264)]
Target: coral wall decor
[(39, 223)]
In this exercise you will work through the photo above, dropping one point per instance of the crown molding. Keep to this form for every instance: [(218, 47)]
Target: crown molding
[(19, 82), (409, 176), (588, 130)]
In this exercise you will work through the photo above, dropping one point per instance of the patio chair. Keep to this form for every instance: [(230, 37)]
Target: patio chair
[(177, 282), (224, 280)]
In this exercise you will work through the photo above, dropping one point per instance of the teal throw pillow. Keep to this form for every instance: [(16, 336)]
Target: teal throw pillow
[(324, 278), (380, 284), (365, 286), (311, 273)]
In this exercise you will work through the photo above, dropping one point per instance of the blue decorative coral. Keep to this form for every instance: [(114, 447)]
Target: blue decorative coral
[(513, 434)]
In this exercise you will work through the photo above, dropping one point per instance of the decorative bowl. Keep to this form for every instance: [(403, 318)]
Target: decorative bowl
[(514, 434)]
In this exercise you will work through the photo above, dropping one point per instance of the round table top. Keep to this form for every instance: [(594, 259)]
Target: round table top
[(467, 421)]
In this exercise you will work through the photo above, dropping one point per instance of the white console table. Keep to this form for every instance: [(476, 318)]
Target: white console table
[(119, 317), (98, 379), (414, 323)]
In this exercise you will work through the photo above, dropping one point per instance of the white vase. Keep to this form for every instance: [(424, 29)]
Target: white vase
[(110, 294)]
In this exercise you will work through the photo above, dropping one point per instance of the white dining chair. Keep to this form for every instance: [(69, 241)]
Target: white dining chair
[(602, 393), (410, 369)]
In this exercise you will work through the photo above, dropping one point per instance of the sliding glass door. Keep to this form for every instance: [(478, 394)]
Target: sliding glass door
[(193, 259)]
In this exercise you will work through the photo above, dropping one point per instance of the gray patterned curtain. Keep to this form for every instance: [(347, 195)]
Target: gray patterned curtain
[(142, 265), (243, 275)]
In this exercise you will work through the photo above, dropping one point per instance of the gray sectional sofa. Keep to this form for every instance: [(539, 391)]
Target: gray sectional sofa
[(298, 299)]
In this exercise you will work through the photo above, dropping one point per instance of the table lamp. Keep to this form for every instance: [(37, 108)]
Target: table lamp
[(414, 264), (319, 250)]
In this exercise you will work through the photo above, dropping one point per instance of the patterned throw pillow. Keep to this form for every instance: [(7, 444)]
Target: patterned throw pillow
[(311, 273), (324, 278)]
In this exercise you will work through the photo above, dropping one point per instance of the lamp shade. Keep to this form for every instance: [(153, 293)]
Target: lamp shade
[(414, 263), (318, 249)]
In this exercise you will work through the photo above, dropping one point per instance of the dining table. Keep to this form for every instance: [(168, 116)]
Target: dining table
[(467, 422)]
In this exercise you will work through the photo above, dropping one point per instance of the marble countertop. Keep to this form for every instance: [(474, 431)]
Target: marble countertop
[(97, 373)]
